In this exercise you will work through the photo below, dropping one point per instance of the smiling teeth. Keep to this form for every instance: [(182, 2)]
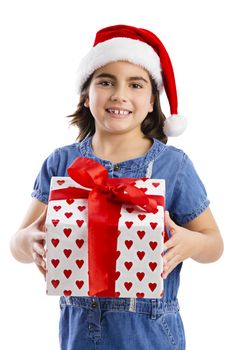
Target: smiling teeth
[(115, 111)]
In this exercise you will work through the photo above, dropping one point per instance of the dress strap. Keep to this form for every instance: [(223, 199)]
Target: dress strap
[(149, 169)]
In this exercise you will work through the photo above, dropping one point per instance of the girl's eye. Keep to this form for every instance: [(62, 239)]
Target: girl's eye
[(137, 86), (106, 83)]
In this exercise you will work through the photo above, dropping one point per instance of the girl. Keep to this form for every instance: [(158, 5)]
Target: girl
[(121, 126)]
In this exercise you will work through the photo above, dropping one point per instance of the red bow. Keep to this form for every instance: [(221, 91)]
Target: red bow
[(105, 197)]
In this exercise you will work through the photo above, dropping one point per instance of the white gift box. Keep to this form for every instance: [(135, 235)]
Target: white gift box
[(139, 263)]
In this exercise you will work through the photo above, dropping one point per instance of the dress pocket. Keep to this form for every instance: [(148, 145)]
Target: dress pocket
[(172, 327)]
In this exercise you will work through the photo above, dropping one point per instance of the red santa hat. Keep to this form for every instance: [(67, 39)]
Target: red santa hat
[(143, 48)]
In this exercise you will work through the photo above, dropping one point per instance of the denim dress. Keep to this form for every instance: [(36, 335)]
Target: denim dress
[(100, 323)]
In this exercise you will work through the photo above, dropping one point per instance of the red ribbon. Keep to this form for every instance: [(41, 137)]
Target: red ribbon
[(105, 197)]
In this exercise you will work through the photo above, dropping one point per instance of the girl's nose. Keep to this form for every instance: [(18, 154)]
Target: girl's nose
[(119, 94)]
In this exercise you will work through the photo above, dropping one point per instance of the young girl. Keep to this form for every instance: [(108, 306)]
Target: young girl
[(121, 126)]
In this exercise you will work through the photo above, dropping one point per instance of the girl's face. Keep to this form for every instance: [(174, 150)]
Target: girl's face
[(120, 97)]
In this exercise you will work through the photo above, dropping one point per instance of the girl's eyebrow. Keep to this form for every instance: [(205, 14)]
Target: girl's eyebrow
[(111, 76)]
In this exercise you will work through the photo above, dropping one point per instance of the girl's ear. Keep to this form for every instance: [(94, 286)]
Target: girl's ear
[(86, 103)]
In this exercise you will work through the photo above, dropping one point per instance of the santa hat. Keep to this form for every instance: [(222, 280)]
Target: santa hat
[(143, 48)]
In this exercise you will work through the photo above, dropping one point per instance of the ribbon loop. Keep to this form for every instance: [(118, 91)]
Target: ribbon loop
[(90, 174), (87, 172)]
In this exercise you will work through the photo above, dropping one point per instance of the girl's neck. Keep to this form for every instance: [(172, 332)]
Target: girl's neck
[(119, 148)]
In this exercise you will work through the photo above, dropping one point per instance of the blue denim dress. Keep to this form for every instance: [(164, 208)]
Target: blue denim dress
[(94, 323)]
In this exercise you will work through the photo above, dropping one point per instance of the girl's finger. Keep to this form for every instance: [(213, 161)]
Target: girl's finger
[(38, 260), (169, 267), (40, 236), (170, 223), (170, 243), (169, 255), (38, 248)]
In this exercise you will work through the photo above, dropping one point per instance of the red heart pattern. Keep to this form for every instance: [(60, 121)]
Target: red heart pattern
[(153, 225), (152, 286), (67, 252), (140, 275), (79, 242), (68, 215), (128, 264), (79, 283), (153, 245), (55, 283), (118, 253), (55, 262), (128, 285), (79, 222), (140, 295), (129, 210), (153, 265), (57, 207), (128, 243), (141, 234), (138, 254), (79, 263), (81, 207), (60, 182), (141, 254), (67, 273), (129, 223), (67, 231), (117, 275), (55, 222), (67, 293), (55, 242)]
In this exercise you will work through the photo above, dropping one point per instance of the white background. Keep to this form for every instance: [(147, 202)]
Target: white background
[(41, 45)]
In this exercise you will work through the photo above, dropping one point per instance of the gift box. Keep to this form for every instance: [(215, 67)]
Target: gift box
[(104, 236)]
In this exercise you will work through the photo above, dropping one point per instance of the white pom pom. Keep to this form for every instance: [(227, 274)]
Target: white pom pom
[(174, 125)]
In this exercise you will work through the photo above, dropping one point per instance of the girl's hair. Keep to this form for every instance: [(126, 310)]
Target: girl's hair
[(152, 125)]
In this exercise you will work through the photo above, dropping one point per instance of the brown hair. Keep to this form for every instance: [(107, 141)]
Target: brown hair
[(152, 125)]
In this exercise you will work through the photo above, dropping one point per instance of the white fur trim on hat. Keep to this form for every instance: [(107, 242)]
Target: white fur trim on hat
[(120, 49), (174, 125)]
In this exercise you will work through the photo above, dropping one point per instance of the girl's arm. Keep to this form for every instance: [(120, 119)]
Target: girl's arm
[(27, 244), (210, 245), (199, 239)]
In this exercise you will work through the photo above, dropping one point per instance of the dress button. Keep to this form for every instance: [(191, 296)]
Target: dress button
[(94, 304), (116, 167)]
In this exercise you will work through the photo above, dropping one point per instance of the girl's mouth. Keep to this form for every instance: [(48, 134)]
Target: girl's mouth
[(118, 113)]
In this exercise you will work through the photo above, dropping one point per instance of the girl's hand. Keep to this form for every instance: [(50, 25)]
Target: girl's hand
[(33, 242), (183, 244)]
